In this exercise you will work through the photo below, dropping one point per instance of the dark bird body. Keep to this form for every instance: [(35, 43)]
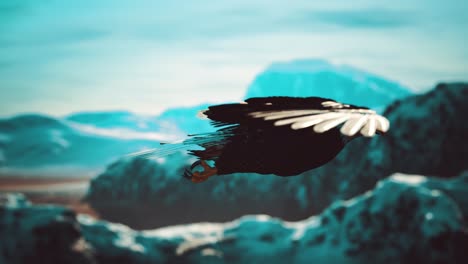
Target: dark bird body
[(269, 154), (260, 147)]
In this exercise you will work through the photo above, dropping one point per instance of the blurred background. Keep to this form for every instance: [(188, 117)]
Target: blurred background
[(84, 83)]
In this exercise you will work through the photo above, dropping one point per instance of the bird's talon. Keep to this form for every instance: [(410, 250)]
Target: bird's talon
[(188, 174), (197, 176), (195, 164)]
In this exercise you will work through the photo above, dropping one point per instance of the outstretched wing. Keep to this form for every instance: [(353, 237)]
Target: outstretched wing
[(299, 113)]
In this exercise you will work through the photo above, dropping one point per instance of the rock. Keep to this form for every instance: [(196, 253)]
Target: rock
[(39, 234), (156, 188), (405, 219), (401, 221), (455, 188), (427, 136)]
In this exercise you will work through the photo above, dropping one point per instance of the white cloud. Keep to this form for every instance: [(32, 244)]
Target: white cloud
[(122, 133)]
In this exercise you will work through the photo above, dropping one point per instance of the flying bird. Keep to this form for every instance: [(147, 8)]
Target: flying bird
[(283, 135)]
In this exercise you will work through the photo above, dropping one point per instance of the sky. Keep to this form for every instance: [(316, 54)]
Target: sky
[(58, 57)]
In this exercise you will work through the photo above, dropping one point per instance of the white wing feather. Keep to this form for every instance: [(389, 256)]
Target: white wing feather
[(353, 125), (369, 128), (353, 121), (382, 123), (329, 124)]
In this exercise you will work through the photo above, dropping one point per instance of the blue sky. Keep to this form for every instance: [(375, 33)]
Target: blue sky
[(58, 57)]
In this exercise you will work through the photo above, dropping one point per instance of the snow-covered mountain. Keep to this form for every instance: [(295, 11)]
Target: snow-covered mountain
[(315, 77)]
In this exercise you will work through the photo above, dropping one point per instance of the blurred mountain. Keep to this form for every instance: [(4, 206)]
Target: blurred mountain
[(179, 120), (405, 219), (314, 77), (426, 136), (185, 119), (84, 143), (44, 145)]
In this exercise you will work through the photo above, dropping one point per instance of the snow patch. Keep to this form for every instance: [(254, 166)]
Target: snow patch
[(409, 179)]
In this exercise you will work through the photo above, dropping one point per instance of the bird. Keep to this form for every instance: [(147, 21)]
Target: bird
[(279, 135)]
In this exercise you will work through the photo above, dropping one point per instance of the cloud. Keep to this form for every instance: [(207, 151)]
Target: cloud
[(208, 25), (244, 22), (367, 18), (122, 133), (358, 18)]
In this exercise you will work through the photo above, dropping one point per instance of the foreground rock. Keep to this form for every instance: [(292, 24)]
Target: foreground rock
[(427, 136), (39, 234), (406, 219)]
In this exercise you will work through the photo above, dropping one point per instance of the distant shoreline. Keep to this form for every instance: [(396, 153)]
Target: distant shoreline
[(63, 191), (10, 183)]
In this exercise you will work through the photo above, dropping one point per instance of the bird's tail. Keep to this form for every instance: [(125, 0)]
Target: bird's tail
[(163, 150), (191, 145)]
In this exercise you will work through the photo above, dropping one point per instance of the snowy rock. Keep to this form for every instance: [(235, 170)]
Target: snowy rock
[(13, 200), (321, 78), (455, 188), (401, 221), (39, 234), (405, 219)]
